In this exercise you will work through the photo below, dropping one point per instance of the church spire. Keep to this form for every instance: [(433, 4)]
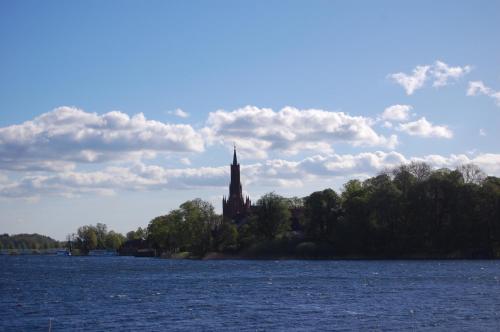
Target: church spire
[(235, 160), (235, 207)]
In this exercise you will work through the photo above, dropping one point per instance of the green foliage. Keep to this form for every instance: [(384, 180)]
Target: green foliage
[(199, 219), (273, 215), (188, 228), (27, 241), (410, 211), (322, 211), (92, 237), (248, 232), (226, 237), (114, 240), (87, 238), (138, 234)]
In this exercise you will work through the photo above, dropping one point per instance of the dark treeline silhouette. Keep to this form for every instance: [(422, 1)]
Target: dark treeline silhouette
[(27, 241), (411, 211)]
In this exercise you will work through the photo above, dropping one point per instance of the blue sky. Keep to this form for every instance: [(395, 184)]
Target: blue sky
[(304, 89)]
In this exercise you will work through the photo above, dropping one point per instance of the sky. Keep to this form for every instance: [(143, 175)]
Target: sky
[(119, 111)]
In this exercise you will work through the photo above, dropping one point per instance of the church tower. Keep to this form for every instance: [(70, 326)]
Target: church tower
[(234, 207)]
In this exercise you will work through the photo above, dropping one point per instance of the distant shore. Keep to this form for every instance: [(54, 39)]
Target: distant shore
[(246, 256)]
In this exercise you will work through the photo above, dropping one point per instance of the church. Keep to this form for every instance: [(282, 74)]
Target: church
[(234, 207)]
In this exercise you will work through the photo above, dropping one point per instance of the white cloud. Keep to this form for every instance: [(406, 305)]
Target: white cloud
[(412, 82), (488, 162), (397, 112), (482, 132), (424, 128), (58, 139), (185, 161), (387, 124), (274, 173), (440, 72), (180, 113), (479, 88), (443, 73), (138, 177), (290, 130), (65, 137)]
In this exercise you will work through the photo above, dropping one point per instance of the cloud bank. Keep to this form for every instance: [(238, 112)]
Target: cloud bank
[(257, 130), (274, 173), (55, 140)]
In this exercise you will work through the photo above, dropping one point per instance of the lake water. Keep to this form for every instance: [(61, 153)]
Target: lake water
[(146, 294)]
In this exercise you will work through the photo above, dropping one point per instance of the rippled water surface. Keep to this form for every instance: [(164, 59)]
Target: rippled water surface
[(124, 293)]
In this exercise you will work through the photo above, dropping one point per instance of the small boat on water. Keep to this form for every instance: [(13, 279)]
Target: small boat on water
[(63, 253)]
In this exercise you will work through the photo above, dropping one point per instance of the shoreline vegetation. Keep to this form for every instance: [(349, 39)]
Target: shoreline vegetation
[(409, 212)]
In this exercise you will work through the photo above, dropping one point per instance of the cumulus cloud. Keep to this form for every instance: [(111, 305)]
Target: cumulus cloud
[(274, 173), (138, 177), (180, 113), (482, 132), (57, 139), (424, 128), (479, 88), (256, 130), (397, 112), (441, 74), (411, 82)]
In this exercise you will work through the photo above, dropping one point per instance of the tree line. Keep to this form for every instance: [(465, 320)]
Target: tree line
[(409, 211), (27, 241)]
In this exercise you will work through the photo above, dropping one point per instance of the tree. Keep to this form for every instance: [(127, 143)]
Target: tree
[(490, 212), (404, 179), (273, 215), (188, 228), (471, 173), (200, 219), (354, 228), (420, 170), (322, 210), (158, 230), (87, 238), (226, 236), (114, 240), (101, 232), (384, 202), (137, 234), (295, 202)]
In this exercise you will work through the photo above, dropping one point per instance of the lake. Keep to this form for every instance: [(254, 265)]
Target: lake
[(147, 294)]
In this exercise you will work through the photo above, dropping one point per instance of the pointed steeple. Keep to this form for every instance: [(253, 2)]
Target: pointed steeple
[(235, 160), (234, 207)]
